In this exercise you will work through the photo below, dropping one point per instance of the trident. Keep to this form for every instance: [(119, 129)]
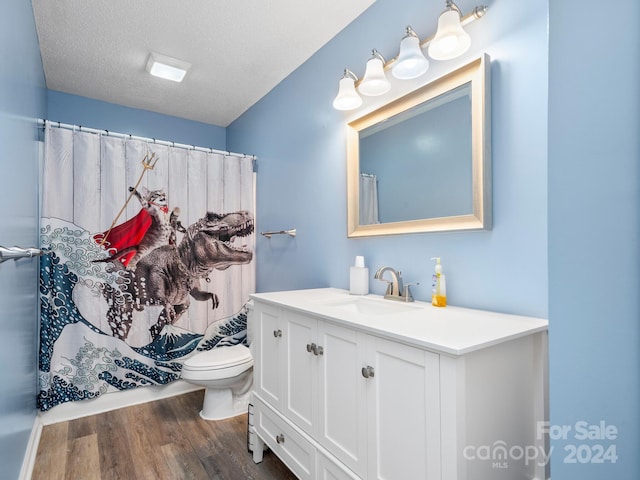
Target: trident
[(148, 162)]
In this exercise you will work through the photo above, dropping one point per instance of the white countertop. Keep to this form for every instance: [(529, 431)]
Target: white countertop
[(451, 330)]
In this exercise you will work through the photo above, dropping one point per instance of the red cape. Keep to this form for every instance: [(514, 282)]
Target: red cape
[(127, 234)]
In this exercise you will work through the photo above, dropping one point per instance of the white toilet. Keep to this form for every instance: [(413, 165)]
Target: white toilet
[(227, 375)]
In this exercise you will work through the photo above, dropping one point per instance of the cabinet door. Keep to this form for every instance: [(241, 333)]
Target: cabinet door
[(269, 351), (343, 407), (301, 385), (404, 412)]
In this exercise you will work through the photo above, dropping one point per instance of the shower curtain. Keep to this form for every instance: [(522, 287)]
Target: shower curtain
[(368, 199), (149, 259)]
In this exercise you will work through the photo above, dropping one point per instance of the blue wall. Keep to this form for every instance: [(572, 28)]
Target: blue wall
[(22, 101), (594, 232), (91, 113), (302, 165)]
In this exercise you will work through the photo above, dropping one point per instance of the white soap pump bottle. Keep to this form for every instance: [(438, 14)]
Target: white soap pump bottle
[(359, 278), (439, 291)]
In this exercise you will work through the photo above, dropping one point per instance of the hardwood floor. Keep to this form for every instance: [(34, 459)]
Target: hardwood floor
[(161, 440)]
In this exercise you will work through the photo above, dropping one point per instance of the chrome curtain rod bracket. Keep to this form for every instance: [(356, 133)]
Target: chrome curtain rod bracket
[(18, 252), (291, 233)]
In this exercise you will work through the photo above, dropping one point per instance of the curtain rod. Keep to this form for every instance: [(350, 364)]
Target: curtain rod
[(108, 133)]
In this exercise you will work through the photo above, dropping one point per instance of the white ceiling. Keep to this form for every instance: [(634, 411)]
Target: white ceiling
[(239, 49)]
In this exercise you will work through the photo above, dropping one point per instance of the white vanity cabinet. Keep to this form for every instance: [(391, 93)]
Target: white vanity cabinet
[(337, 397)]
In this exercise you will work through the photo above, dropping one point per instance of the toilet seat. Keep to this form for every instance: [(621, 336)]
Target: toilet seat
[(218, 363)]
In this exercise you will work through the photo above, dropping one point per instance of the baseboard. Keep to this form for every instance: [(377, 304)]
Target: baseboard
[(113, 401), (32, 449)]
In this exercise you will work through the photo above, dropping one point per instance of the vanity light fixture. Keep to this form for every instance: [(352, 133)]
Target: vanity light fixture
[(374, 82), (347, 98), (411, 62), (451, 40), (167, 67)]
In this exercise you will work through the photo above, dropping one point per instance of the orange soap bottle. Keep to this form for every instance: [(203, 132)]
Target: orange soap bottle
[(439, 290)]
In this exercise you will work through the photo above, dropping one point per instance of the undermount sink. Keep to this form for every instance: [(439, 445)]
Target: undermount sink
[(368, 306)]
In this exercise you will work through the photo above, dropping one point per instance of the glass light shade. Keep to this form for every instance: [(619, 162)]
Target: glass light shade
[(347, 98), (451, 40), (374, 82), (411, 62)]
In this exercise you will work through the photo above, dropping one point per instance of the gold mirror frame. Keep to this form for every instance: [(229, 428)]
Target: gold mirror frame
[(477, 73)]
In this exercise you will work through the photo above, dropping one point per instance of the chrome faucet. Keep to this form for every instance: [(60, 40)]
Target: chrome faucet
[(396, 290)]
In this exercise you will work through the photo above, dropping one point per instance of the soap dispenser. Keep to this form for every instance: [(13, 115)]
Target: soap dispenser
[(359, 278), (439, 291)]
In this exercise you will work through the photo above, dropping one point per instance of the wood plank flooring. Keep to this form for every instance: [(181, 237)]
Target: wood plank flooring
[(161, 440)]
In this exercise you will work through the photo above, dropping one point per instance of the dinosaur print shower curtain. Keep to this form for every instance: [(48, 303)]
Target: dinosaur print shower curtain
[(149, 259)]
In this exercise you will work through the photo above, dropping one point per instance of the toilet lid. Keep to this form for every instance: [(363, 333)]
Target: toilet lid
[(219, 357)]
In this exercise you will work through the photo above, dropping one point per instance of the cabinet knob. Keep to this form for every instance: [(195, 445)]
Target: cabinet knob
[(277, 333), (280, 438), (316, 349), (367, 372)]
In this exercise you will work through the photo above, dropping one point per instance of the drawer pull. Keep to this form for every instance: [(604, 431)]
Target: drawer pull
[(280, 438), (367, 372), (277, 333), (311, 347)]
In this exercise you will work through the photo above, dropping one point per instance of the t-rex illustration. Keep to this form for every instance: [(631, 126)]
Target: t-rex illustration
[(169, 274)]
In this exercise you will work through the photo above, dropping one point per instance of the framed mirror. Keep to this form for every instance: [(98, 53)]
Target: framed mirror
[(422, 163)]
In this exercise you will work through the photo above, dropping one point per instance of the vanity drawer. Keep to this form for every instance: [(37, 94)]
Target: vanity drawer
[(292, 448), (330, 469)]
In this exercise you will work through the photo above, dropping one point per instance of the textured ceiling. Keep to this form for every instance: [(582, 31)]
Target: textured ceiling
[(239, 49)]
